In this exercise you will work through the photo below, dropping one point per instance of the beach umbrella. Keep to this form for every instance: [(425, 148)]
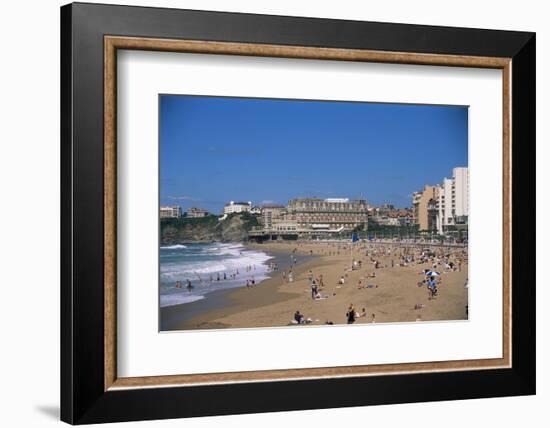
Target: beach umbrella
[(432, 273)]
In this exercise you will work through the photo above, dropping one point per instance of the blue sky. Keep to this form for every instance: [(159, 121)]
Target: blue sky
[(217, 149)]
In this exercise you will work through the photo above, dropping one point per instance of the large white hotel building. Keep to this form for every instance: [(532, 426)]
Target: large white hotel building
[(329, 214)]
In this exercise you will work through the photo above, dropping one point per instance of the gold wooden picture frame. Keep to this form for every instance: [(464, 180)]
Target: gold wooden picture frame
[(114, 43)]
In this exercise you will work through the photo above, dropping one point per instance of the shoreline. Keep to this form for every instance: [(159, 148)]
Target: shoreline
[(195, 314), (393, 296)]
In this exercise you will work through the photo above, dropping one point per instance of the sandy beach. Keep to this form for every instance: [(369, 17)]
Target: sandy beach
[(393, 295)]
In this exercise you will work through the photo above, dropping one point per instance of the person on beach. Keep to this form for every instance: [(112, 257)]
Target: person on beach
[(313, 289), (319, 296), (298, 317), (351, 314), (432, 289), (189, 285)]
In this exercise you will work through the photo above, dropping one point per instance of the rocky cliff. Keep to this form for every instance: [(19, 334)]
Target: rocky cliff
[(208, 229)]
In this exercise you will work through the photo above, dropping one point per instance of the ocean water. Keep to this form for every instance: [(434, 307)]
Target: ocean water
[(202, 264)]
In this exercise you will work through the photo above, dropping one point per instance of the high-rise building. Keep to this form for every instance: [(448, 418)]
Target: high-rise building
[(424, 205), (453, 200)]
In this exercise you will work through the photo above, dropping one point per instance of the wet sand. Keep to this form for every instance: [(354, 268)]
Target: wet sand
[(391, 296)]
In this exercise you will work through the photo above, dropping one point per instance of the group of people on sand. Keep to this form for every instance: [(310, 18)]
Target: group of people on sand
[(436, 260), (316, 284), (431, 281), (288, 276), (362, 285), (300, 319), (352, 315), (450, 257), (432, 288)]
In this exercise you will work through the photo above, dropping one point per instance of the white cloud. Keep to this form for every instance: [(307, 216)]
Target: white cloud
[(181, 198)]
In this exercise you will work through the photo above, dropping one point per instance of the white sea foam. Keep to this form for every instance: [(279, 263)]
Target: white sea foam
[(173, 247), (173, 270), (226, 249), (203, 264), (238, 260)]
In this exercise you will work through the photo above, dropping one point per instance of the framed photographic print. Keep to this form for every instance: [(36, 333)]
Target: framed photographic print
[(256, 207)]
